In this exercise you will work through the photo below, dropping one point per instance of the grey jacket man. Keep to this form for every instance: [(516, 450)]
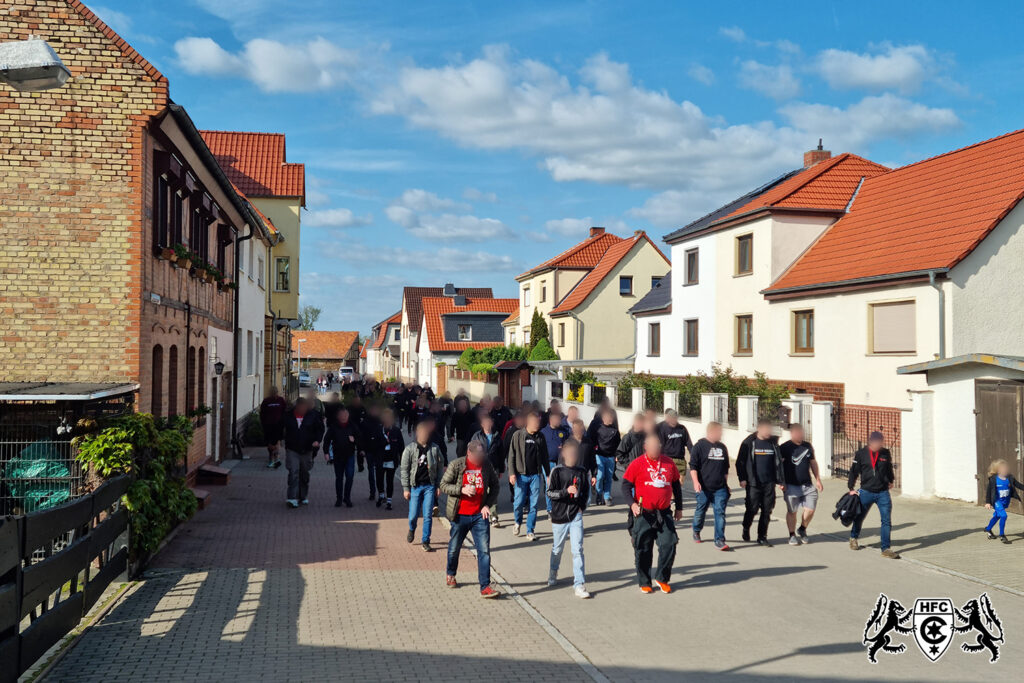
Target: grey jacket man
[(410, 460)]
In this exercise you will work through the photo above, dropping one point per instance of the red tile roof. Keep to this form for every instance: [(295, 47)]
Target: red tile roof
[(382, 331), (828, 186), (606, 265), (362, 351), (413, 296), (324, 344), (584, 255), (122, 45), (436, 306), (928, 215), (266, 221), (256, 163)]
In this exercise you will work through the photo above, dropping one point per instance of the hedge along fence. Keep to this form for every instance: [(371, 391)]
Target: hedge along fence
[(721, 380)]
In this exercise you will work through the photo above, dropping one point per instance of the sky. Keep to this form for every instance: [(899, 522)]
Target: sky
[(465, 142)]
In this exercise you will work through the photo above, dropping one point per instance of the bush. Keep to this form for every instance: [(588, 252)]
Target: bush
[(150, 450), (543, 351), (722, 380), (482, 368), (576, 376), (490, 355), (538, 331)]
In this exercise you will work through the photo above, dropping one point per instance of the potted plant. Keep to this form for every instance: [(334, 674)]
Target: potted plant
[(184, 256), (168, 254), (213, 273)]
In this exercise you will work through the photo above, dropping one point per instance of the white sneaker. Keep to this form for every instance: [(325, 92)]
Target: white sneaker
[(552, 578), (581, 592), (793, 540), (515, 529), (531, 537)]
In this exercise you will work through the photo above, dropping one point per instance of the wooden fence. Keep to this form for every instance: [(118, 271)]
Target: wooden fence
[(54, 566)]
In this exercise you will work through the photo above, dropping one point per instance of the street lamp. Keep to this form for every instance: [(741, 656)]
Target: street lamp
[(298, 348), (218, 368), (31, 65)]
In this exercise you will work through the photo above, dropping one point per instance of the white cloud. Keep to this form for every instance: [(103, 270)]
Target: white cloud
[(674, 208), (430, 217), (475, 195), (570, 227), (734, 33), (336, 218), (272, 66), (701, 74), (873, 118), (901, 68), (316, 197), (421, 200), (443, 260), (777, 82)]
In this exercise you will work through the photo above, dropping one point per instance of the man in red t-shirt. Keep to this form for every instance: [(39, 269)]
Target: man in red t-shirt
[(471, 485), (652, 483)]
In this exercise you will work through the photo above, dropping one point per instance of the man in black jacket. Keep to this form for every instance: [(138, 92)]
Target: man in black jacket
[(568, 491), (490, 439), (463, 426), (759, 469), (873, 464), (303, 429), (500, 414), (340, 445), (528, 467)]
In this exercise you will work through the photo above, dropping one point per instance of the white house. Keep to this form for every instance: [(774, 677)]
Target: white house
[(253, 306), (386, 338), (412, 320), (452, 324)]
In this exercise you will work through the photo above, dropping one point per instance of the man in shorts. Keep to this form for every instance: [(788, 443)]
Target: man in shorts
[(272, 411), (803, 483)]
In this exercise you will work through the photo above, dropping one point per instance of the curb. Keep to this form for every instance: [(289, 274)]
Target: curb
[(574, 653)]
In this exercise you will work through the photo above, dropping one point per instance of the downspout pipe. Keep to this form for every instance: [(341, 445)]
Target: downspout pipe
[(932, 280)]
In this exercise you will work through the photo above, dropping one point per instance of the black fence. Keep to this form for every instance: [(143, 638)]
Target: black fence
[(54, 566), (689, 405), (624, 398), (850, 429), (598, 392), (557, 390)]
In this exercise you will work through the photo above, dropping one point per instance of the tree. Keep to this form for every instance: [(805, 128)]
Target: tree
[(308, 315), (543, 351), (538, 330)]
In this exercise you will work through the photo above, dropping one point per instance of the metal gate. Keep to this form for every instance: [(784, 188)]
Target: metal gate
[(850, 429)]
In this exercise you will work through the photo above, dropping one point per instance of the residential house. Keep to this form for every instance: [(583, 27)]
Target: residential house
[(412, 321), (585, 294), (324, 351), (102, 180), (258, 165), (362, 356), (452, 324), (383, 355)]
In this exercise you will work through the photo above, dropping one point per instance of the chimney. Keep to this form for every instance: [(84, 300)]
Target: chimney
[(816, 155), (594, 232)]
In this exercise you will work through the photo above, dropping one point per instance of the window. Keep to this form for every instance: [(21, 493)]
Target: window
[(161, 212), (692, 267), (157, 371), (201, 371), (248, 352), (561, 334), (465, 333), (526, 337), (198, 239), (744, 334), (655, 281), (691, 329), (394, 335), (543, 292), (281, 281), (892, 327), (190, 379), (526, 296), (744, 254), (177, 218), (260, 267), (654, 339), (512, 337), (803, 331), (172, 381), (626, 285)]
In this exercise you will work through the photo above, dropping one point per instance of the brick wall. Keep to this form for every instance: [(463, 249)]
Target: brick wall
[(71, 210), (821, 391)]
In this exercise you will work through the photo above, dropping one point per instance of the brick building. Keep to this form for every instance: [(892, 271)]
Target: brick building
[(99, 181)]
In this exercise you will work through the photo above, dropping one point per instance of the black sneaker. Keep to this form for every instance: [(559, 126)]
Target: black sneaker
[(696, 537), (991, 536), (372, 495), (380, 501), (746, 535), (337, 503), (409, 537), (764, 542), (802, 533), (348, 503), (1004, 539), (427, 548), (387, 505)]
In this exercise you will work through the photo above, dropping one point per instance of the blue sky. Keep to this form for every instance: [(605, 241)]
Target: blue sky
[(467, 141)]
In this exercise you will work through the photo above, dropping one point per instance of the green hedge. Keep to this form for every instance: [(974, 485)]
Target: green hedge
[(721, 380), (490, 355)]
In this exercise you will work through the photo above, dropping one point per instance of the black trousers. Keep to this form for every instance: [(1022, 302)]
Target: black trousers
[(385, 481), (759, 498), (460, 448), (650, 529), (371, 472)]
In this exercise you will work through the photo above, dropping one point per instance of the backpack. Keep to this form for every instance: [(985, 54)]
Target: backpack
[(848, 508)]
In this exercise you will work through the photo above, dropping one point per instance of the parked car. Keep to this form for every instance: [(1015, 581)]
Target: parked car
[(304, 380), (347, 374)]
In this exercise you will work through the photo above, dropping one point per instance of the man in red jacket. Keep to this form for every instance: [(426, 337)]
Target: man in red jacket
[(652, 483)]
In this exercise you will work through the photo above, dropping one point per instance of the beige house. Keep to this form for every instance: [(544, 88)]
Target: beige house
[(585, 294)]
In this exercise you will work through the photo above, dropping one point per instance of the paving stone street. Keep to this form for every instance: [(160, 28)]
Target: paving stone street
[(252, 591)]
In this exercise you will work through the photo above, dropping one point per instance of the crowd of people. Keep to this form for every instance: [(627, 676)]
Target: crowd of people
[(447, 446)]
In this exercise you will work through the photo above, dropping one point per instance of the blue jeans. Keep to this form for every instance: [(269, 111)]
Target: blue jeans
[(884, 502), (574, 531), (481, 530), (527, 485), (605, 470), (421, 503), (717, 500), (344, 472)]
